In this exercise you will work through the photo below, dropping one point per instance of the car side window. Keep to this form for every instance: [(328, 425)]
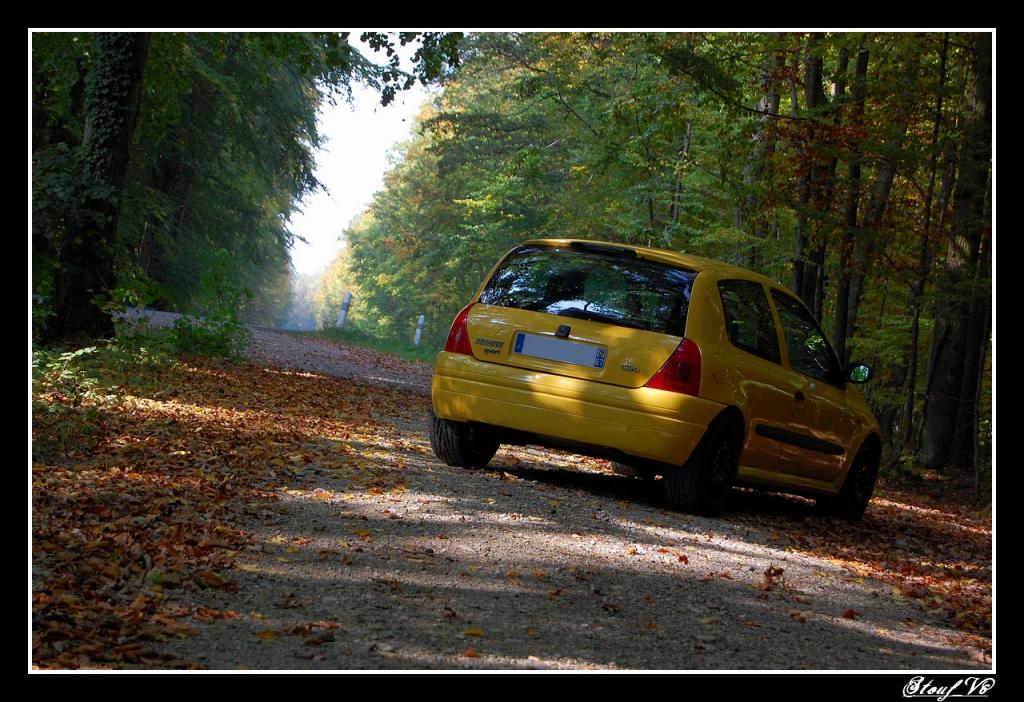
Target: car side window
[(809, 351), (748, 318)]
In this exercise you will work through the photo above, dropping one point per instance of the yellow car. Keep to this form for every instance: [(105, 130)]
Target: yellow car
[(705, 373)]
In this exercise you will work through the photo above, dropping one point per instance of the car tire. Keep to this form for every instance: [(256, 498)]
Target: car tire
[(462, 444), (701, 485), (853, 497)]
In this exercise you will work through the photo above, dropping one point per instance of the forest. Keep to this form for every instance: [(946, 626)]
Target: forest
[(212, 488), (854, 167)]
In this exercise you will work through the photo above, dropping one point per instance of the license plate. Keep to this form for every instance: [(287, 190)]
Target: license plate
[(553, 349)]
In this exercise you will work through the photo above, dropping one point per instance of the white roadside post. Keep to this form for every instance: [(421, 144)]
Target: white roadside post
[(344, 310), (419, 330)]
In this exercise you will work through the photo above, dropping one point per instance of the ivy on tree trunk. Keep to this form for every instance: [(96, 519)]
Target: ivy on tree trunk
[(86, 261)]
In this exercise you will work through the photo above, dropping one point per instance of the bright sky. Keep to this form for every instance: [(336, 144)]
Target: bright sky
[(351, 164)]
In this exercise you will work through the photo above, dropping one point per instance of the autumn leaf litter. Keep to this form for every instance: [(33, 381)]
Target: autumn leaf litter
[(288, 513)]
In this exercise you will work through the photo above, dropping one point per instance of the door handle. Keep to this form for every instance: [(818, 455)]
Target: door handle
[(799, 395)]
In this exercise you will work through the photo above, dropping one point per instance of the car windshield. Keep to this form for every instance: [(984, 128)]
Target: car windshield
[(610, 286)]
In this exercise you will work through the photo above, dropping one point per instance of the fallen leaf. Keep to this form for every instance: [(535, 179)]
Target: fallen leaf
[(211, 579), (319, 639), (208, 614)]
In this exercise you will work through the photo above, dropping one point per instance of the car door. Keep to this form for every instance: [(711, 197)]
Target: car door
[(753, 360), (822, 427)]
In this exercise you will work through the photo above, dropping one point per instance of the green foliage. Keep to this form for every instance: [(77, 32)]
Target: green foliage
[(666, 140), (657, 139), (202, 337), (436, 57), (356, 335), (329, 290), (223, 150), (60, 208), (66, 416), (134, 290), (218, 330), (580, 135), (65, 373), (71, 390), (41, 312)]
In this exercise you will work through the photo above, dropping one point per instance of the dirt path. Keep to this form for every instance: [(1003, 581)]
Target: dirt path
[(306, 353), (544, 561)]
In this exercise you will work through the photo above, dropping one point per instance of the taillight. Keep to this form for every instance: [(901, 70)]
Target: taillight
[(681, 372), (458, 337)]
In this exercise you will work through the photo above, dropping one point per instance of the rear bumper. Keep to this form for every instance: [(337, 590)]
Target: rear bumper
[(652, 424)]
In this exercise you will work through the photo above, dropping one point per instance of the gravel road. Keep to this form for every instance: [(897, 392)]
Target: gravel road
[(542, 561), (297, 352)]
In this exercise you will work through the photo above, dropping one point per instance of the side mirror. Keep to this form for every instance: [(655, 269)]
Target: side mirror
[(858, 373)]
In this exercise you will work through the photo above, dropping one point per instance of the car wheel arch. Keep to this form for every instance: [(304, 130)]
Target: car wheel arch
[(732, 415), (858, 483), (699, 485), (873, 444)]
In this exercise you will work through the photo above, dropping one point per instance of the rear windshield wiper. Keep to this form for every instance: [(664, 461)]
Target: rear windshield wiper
[(598, 317)]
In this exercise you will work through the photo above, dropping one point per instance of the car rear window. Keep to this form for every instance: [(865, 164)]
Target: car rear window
[(604, 285)]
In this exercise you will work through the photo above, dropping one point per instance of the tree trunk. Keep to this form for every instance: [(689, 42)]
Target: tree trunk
[(87, 256), (924, 261), (677, 188), (954, 350), (974, 352), (824, 188), (863, 247), (840, 333), (810, 172), (888, 413), (945, 215), (977, 401), (761, 151)]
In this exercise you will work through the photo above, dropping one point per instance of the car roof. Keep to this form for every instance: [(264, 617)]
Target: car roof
[(694, 263)]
